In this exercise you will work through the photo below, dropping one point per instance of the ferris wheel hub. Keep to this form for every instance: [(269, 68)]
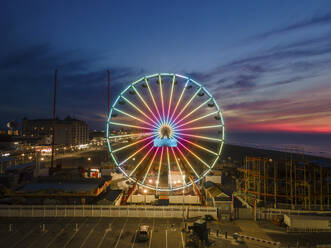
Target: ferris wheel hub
[(165, 136), (165, 131)]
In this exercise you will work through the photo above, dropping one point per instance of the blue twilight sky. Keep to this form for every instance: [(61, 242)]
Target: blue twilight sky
[(266, 62)]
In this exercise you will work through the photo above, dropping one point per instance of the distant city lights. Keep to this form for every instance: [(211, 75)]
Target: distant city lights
[(82, 146)]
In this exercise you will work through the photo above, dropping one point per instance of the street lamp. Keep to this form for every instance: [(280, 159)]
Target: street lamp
[(90, 162), (145, 191)]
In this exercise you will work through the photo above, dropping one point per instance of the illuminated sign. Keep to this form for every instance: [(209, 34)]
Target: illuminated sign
[(170, 142)]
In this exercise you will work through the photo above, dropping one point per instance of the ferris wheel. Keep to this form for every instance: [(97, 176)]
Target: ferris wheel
[(165, 132)]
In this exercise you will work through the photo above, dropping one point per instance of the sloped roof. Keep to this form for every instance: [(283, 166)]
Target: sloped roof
[(112, 195), (215, 191)]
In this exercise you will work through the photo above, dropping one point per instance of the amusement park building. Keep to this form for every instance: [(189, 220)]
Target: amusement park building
[(67, 132)]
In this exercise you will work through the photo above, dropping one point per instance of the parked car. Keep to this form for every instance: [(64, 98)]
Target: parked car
[(143, 233)]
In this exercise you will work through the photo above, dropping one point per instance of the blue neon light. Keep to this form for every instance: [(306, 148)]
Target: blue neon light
[(170, 142)]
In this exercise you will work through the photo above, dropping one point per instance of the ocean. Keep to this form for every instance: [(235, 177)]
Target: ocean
[(311, 143)]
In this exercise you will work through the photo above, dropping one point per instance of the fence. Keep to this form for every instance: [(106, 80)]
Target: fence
[(267, 213), (177, 199), (105, 211)]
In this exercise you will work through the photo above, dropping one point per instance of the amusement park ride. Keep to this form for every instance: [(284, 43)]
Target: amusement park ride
[(173, 128)]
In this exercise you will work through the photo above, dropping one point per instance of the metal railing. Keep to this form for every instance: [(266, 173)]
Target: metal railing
[(105, 211)]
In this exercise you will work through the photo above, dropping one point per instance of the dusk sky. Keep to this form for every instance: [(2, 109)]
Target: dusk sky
[(266, 62)]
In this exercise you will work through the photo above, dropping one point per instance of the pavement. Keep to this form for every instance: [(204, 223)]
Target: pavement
[(122, 232), (279, 234), (104, 232), (88, 232)]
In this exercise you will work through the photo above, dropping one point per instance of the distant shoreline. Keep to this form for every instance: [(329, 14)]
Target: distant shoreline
[(239, 152)]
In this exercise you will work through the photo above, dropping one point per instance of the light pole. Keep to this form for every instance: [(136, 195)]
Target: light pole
[(183, 189)]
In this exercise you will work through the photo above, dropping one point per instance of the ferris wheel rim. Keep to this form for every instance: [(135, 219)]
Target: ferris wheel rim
[(160, 75)]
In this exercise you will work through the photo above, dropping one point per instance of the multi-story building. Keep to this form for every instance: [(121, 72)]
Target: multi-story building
[(67, 132)]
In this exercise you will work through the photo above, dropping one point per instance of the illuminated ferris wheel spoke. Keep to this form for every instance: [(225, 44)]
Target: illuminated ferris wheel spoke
[(129, 125), (176, 159), (186, 105), (133, 117), (196, 145), (194, 110), (180, 98), (130, 135), (199, 128), (136, 152), (188, 162), (197, 119), (141, 160), (150, 164), (159, 170), (170, 98), (132, 144), (201, 137), (161, 93), (153, 100), (146, 105), (169, 168), (139, 110), (196, 156)]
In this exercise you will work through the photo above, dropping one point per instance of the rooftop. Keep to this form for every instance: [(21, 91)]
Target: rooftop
[(66, 187)]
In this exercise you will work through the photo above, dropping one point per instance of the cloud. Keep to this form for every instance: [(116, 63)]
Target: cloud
[(27, 80), (283, 64), (323, 19), (302, 110), (199, 76), (284, 82), (26, 56), (244, 82)]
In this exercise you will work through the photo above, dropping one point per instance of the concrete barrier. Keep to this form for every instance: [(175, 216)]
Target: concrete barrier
[(262, 241)]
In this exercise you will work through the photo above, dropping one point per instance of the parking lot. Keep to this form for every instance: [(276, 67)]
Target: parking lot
[(88, 232), (97, 232)]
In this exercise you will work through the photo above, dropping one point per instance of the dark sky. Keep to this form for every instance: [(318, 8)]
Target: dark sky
[(266, 62)]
